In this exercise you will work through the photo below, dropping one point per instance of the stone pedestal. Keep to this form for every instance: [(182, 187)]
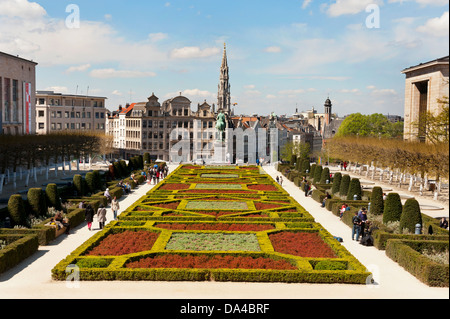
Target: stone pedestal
[(220, 153)]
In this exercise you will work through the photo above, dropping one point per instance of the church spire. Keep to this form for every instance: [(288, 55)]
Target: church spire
[(224, 96)]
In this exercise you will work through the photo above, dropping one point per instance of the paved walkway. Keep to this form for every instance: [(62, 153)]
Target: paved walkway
[(32, 278)]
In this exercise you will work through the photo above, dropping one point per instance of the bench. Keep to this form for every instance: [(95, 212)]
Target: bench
[(59, 229)]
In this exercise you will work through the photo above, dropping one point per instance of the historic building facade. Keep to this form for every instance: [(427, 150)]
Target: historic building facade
[(425, 84), (64, 112), (17, 95)]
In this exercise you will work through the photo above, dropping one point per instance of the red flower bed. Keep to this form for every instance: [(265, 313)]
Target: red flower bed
[(260, 206), (173, 205), (216, 191), (262, 187), (174, 187), (224, 227), (210, 262), (301, 244), (127, 242)]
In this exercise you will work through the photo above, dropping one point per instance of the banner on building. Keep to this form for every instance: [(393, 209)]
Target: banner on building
[(27, 104)]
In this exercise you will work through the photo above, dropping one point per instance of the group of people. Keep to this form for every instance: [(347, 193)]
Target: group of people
[(279, 180), (361, 228), (156, 173), (101, 213)]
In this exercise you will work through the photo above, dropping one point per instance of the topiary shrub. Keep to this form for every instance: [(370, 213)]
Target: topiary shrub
[(36, 201), (52, 196), (97, 180), (298, 165), (392, 208), (345, 183), (78, 184), (377, 202), (311, 172), (354, 189), (411, 215), (293, 159), (306, 166), (336, 183), (16, 210), (317, 173), (124, 171), (90, 181), (146, 158), (325, 175), (117, 170)]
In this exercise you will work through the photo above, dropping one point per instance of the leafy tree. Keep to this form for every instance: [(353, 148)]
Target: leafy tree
[(374, 125)]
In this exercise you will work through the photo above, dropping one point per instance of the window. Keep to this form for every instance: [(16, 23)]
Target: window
[(59, 114), (66, 115), (97, 115), (88, 115), (53, 126), (78, 115), (41, 126), (41, 113), (41, 101)]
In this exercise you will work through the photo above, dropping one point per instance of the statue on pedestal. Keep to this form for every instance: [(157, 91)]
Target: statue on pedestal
[(221, 126)]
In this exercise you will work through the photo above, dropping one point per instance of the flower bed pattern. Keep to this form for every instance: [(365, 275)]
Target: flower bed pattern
[(215, 223)]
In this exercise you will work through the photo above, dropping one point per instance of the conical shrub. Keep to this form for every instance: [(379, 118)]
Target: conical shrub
[(16, 210), (52, 196), (411, 215), (90, 182), (318, 174), (312, 170), (37, 202), (306, 166), (336, 183), (78, 184), (392, 208), (376, 201), (345, 183), (354, 189), (325, 175)]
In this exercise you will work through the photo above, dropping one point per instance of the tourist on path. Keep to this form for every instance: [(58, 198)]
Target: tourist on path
[(115, 207), (356, 226), (89, 216), (101, 216)]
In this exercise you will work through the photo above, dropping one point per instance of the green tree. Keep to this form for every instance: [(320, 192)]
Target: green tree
[(376, 201), (411, 215), (374, 125), (392, 208)]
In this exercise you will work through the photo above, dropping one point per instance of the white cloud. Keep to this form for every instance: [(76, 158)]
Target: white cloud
[(270, 96), (436, 27), (342, 7), (21, 9), (273, 49), (250, 86), (194, 94), (306, 3), (112, 73), (79, 68), (57, 89), (193, 53), (117, 93), (157, 36), (424, 2)]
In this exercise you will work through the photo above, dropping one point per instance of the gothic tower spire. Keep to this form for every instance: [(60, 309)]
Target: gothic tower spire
[(224, 96)]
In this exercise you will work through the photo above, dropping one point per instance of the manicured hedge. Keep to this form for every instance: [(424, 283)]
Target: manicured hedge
[(408, 254), (168, 203), (18, 248)]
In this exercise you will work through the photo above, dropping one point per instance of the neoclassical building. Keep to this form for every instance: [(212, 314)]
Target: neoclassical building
[(425, 84), (154, 128), (17, 95)]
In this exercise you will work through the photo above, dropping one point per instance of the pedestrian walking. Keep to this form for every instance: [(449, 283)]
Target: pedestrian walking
[(356, 226), (101, 216), (362, 215), (307, 187), (281, 181), (115, 207), (278, 179), (89, 216)]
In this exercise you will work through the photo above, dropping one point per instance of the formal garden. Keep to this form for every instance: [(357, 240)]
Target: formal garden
[(423, 251), (209, 223)]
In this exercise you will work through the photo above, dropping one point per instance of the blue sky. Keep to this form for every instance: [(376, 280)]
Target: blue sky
[(282, 55)]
